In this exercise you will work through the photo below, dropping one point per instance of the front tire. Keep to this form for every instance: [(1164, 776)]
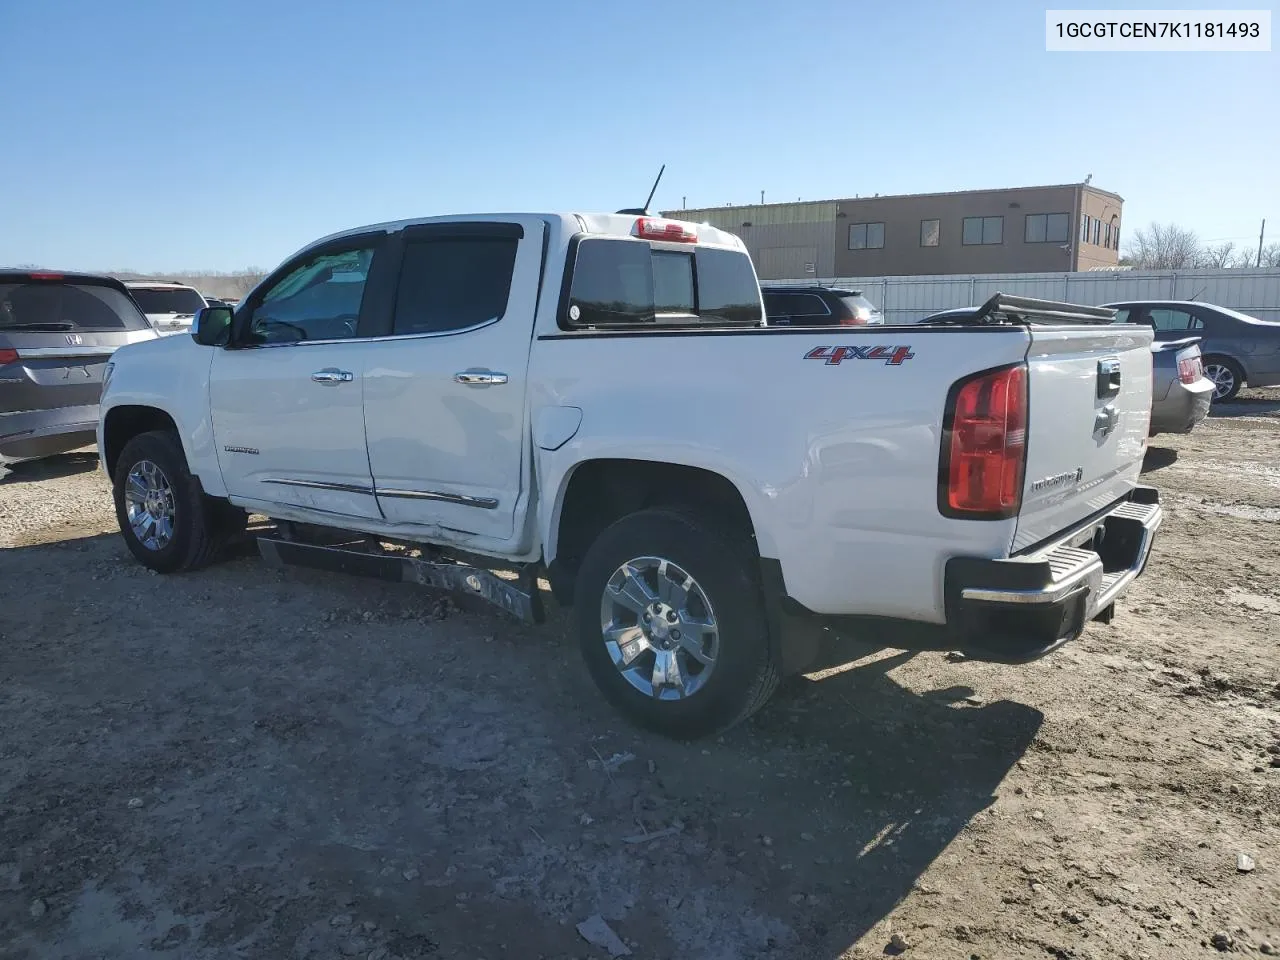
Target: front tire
[(1227, 378), (166, 520), (672, 624)]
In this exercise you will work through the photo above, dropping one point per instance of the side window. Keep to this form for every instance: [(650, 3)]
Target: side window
[(453, 283), (317, 300), (1166, 319), (1122, 315), (776, 305), (808, 305)]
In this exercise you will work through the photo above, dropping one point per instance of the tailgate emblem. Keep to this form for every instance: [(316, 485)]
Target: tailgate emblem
[(75, 339)]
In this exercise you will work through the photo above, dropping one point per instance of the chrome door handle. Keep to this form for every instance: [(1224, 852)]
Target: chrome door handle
[(479, 378), (332, 375)]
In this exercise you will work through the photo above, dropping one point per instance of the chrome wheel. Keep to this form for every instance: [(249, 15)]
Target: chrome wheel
[(149, 504), (1223, 377), (659, 628)]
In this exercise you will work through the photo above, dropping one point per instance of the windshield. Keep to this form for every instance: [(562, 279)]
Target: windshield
[(183, 301), (67, 306)]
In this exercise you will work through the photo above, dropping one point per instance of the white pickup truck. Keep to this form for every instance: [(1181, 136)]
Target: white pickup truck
[(596, 399)]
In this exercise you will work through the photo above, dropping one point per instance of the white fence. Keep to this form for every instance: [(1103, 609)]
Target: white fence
[(911, 299)]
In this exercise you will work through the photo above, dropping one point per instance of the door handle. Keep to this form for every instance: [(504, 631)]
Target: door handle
[(480, 378), (332, 375)]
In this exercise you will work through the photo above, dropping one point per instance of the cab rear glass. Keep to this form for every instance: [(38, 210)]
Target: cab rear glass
[(53, 305), (619, 282)]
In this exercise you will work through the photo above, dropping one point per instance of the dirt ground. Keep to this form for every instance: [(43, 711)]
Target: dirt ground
[(245, 763)]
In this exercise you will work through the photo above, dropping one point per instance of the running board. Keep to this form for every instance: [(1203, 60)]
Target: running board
[(521, 600)]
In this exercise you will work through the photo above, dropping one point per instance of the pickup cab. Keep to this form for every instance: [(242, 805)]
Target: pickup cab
[(481, 402)]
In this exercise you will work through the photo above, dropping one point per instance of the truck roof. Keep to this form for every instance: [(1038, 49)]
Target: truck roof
[(607, 224)]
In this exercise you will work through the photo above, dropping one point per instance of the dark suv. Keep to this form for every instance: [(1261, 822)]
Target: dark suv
[(57, 331), (817, 306)]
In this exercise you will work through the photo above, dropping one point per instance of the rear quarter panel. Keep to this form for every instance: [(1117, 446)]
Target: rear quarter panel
[(837, 461)]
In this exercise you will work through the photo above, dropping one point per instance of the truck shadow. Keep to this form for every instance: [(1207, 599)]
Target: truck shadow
[(345, 731)]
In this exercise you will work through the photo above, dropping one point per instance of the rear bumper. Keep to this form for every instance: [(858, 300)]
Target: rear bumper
[(42, 433), (1024, 607), (1010, 610), (1182, 408)]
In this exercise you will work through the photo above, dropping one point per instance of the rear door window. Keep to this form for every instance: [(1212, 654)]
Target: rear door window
[(453, 283), (42, 305), (619, 282)]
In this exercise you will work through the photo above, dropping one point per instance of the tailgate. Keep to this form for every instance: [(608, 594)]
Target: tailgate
[(1089, 410)]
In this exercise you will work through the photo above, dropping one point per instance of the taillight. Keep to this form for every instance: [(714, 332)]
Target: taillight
[(672, 231), (984, 446), (1190, 369), (856, 319), (7, 356)]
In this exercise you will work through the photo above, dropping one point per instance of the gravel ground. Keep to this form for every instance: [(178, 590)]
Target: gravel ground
[(245, 763)]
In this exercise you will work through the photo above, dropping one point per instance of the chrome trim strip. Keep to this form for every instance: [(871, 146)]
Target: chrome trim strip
[(484, 503), (320, 485), (381, 339), (87, 351)]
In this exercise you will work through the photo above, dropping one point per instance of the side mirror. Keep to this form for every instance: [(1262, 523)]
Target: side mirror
[(212, 326)]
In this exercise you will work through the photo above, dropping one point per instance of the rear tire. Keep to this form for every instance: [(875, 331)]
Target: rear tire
[(714, 675), (1227, 377), (165, 518)]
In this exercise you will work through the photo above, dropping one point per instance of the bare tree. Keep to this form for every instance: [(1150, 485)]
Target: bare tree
[(243, 283), (1220, 255), (1270, 255), (1163, 247)]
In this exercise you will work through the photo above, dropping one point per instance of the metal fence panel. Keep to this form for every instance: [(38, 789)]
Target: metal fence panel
[(911, 299)]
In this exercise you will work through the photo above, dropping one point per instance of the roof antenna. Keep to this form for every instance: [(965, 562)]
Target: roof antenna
[(644, 211)]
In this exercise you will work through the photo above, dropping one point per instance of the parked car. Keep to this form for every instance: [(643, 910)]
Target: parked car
[(1180, 393), (57, 331), (817, 306), (215, 301), (170, 307), (1237, 349), (595, 398)]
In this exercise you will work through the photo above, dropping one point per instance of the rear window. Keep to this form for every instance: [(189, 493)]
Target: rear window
[(624, 282), (37, 305), (856, 303), (183, 302)]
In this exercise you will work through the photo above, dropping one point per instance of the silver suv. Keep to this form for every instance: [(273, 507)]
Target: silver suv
[(57, 332)]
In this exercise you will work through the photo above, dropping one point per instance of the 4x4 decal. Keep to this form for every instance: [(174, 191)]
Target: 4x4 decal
[(894, 356)]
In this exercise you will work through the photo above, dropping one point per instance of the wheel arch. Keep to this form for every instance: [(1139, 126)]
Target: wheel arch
[(122, 423), (595, 492)]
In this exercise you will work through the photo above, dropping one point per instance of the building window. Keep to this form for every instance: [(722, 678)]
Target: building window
[(866, 236), (1047, 227), (929, 232), (1084, 228), (1106, 235), (1115, 237), (1097, 232), (982, 230)]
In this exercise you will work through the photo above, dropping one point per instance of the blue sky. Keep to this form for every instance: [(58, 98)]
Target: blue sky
[(163, 136)]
